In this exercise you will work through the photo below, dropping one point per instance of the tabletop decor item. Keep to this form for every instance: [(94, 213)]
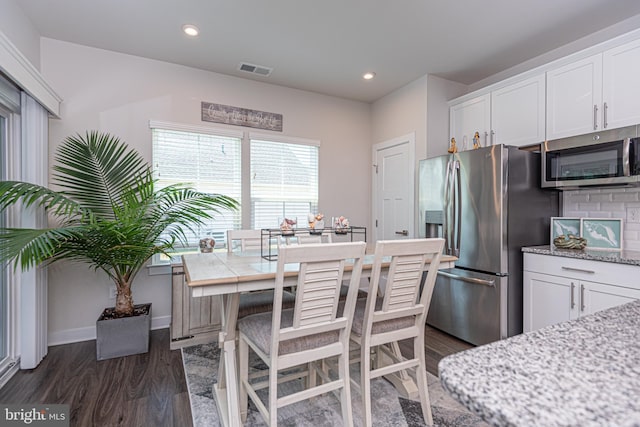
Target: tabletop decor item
[(564, 226), (207, 244), (287, 226), (602, 233), (316, 223), (340, 225), (108, 213), (570, 242)]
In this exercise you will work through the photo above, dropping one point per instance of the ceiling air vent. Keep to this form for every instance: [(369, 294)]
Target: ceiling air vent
[(255, 69)]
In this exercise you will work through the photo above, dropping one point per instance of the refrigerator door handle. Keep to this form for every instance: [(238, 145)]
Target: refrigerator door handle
[(473, 280), (445, 219), (458, 218)]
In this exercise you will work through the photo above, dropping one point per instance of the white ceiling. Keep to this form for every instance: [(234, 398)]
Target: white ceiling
[(325, 46)]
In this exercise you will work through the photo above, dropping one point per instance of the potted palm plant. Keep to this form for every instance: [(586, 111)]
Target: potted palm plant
[(107, 213)]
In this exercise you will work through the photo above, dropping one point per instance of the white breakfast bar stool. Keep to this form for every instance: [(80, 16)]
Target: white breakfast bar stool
[(310, 332), (380, 323)]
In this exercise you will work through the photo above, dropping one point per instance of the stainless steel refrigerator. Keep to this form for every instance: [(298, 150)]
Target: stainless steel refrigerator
[(487, 204)]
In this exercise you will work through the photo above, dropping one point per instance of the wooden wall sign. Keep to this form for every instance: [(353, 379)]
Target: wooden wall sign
[(229, 115)]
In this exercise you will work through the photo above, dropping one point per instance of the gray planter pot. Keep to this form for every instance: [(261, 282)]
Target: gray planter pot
[(123, 336)]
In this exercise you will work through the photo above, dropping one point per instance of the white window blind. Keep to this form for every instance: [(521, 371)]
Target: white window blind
[(284, 182), (210, 163)]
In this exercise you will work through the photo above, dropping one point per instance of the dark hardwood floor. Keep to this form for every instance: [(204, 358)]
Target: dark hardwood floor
[(142, 390), (437, 345)]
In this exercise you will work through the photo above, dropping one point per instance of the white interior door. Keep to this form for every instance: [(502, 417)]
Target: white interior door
[(394, 189)]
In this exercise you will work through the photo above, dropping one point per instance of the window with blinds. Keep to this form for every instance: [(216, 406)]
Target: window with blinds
[(208, 162), (284, 182)]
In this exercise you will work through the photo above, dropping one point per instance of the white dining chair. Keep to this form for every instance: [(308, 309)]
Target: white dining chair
[(258, 301), (310, 332), (308, 238), (381, 322), (246, 240)]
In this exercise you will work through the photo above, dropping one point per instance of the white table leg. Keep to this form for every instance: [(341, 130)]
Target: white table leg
[(226, 390)]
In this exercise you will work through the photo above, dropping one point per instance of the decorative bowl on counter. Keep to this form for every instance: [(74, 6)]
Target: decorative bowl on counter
[(570, 242)]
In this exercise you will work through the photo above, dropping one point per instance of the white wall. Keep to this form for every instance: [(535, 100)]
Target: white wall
[(19, 29), (420, 107), (120, 93), (439, 91), (402, 112)]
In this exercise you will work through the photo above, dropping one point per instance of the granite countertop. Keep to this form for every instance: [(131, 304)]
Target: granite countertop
[(620, 257), (584, 372)]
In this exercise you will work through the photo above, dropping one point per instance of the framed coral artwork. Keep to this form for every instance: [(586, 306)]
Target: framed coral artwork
[(564, 226), (602, 233)]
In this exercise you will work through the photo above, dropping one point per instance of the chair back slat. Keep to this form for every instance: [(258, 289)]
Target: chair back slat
[(317, 292), (403, 281), (305, 239)]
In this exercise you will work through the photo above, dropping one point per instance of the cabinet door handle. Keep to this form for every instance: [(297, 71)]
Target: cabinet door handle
[(605, 124), (581, 297), (573, 300), (595, 117), (580, 270)]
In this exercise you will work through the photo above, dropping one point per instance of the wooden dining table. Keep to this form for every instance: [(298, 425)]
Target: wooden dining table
[(228, 275)]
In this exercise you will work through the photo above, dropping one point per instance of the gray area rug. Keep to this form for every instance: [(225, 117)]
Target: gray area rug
[(389, 409)]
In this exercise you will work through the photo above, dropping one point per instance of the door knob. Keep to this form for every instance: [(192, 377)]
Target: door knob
[(403, 232)]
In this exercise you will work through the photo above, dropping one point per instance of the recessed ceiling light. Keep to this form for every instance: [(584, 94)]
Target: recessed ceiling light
[(368, 76), (190, 30)]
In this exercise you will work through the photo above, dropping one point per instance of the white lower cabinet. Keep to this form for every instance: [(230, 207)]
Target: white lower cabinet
[(557, 288)]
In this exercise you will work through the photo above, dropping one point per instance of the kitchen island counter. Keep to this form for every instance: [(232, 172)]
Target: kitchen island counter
[(619, 257), (585, 372)]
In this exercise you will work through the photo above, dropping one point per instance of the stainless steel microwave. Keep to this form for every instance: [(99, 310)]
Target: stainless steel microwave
[(604, 158)]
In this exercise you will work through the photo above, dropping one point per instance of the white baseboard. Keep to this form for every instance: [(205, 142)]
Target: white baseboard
[(68, 336)]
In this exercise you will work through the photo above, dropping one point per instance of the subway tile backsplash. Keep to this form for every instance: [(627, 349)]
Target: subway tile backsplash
[(608, 203)]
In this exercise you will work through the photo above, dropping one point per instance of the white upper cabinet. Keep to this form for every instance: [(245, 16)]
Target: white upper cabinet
[(511, 115), (518, 113), (469, 117), (592, 93), (621, 86), (574, 98), (597, 93)]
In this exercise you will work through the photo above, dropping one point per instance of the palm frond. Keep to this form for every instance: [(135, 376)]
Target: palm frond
[(95, 169), (27, 247), (12, 192)]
